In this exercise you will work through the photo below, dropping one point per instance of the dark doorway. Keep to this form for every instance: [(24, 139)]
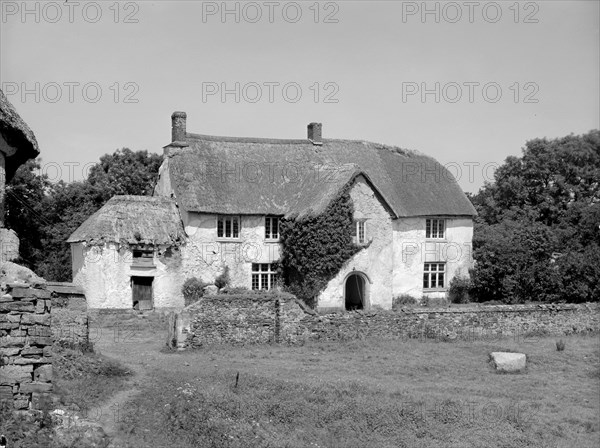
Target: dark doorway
[(142, 292), (355, 292)]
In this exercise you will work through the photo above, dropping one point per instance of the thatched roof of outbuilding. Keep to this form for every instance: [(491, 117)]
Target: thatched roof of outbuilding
[(231, 175), (18, 135), (133, 220)]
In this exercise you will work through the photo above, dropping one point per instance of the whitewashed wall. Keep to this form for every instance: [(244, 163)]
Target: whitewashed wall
[(104, 273), (412, 250), (205, 256)]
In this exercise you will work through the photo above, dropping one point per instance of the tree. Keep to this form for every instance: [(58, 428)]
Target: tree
[(537, 234)]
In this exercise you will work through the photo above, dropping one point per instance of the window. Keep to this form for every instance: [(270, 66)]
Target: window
[(271, 228), (263, 276), (433, 275), (360, 232), (435, 228), (143, 258), (228, 227)]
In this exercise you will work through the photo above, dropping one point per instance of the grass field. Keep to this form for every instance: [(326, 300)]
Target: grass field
[(368, 393)]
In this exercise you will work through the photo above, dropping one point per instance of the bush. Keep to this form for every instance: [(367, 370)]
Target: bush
[(403, 300), (223, 280), (193, 290), (560, 345), (459, 290)]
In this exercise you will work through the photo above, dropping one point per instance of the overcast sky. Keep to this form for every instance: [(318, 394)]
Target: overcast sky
[(466, 82)]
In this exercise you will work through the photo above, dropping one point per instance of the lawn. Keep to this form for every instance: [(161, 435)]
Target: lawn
[(364, 393)]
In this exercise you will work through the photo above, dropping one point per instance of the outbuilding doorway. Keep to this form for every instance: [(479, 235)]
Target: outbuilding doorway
[(141, 288), (355, 292)]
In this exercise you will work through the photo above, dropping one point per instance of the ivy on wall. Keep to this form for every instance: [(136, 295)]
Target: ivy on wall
[(315, 248)]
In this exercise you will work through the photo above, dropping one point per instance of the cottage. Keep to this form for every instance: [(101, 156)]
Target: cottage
[(222, 199)]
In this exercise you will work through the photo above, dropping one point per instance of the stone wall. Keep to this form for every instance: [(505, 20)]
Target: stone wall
[(69, 321), (25, 344), (281, 318)]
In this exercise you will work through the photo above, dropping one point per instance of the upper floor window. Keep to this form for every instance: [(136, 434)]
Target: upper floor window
[(271, 228), (435, 228), (360, 232), (434, 275), (228, 226)]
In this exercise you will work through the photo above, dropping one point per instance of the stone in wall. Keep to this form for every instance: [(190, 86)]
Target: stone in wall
[(25, 339)]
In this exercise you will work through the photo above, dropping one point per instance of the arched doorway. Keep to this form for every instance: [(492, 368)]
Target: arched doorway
[(355, 292)]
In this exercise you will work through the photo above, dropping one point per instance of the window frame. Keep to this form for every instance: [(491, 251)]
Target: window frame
[(269, 219), (145, 258), (429, 225), (258, 274), (427, 273), (225, 219), (358, 223)]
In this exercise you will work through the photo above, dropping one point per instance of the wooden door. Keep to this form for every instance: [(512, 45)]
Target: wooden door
[(142, 292)]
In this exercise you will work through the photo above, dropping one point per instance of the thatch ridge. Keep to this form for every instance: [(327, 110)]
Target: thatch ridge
[(18, 135)]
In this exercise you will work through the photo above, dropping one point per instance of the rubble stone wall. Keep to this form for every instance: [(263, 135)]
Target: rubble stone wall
[(25, 345), (245, 320)]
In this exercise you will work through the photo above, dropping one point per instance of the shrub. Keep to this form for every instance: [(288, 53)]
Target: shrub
[(459, 290), (193, 290), (403, 300), (223, 279), (236, 290), (560, 345)]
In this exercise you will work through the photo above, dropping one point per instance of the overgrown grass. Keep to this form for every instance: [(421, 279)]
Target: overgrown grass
[(370, 394), (84, 380)]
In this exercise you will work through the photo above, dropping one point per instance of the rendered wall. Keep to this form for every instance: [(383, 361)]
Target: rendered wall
[(375, 261), (205, 256), (104, 273), (412, 250)]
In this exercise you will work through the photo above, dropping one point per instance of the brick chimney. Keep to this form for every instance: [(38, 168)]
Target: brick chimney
[(178, 128), (314, 133)]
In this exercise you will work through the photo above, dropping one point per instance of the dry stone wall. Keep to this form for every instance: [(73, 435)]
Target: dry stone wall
[(281, 318), (25, 345)]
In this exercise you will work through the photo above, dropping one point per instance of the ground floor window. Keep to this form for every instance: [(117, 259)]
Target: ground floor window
[(434, 275), (264, 276)]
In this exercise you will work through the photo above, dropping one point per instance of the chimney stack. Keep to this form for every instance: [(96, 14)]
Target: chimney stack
[(314, 133), (178, 127)]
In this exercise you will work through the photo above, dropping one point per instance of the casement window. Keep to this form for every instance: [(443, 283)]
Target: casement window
[(360, 231), (228, 226), (272, 228), (434, 275), (143, 258), (435, 228), (264, 276)]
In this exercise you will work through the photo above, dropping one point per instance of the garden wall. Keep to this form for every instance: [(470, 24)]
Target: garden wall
[(25, 345), (281, 318), (69, 321)]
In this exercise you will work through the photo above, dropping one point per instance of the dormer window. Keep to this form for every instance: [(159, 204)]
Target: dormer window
[(143, 258), (435, 228), (272, 228)]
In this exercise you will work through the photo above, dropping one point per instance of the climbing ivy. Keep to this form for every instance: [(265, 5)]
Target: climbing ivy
[(315, 248)]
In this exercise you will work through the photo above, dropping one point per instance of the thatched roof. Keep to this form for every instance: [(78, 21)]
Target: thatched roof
[(133, 220), (265, 176), (18, 135)]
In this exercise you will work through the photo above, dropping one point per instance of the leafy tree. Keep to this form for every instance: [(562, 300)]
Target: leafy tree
[(537, 235)]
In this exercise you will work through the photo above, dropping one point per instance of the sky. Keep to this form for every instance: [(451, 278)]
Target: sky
[(468, 83)]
